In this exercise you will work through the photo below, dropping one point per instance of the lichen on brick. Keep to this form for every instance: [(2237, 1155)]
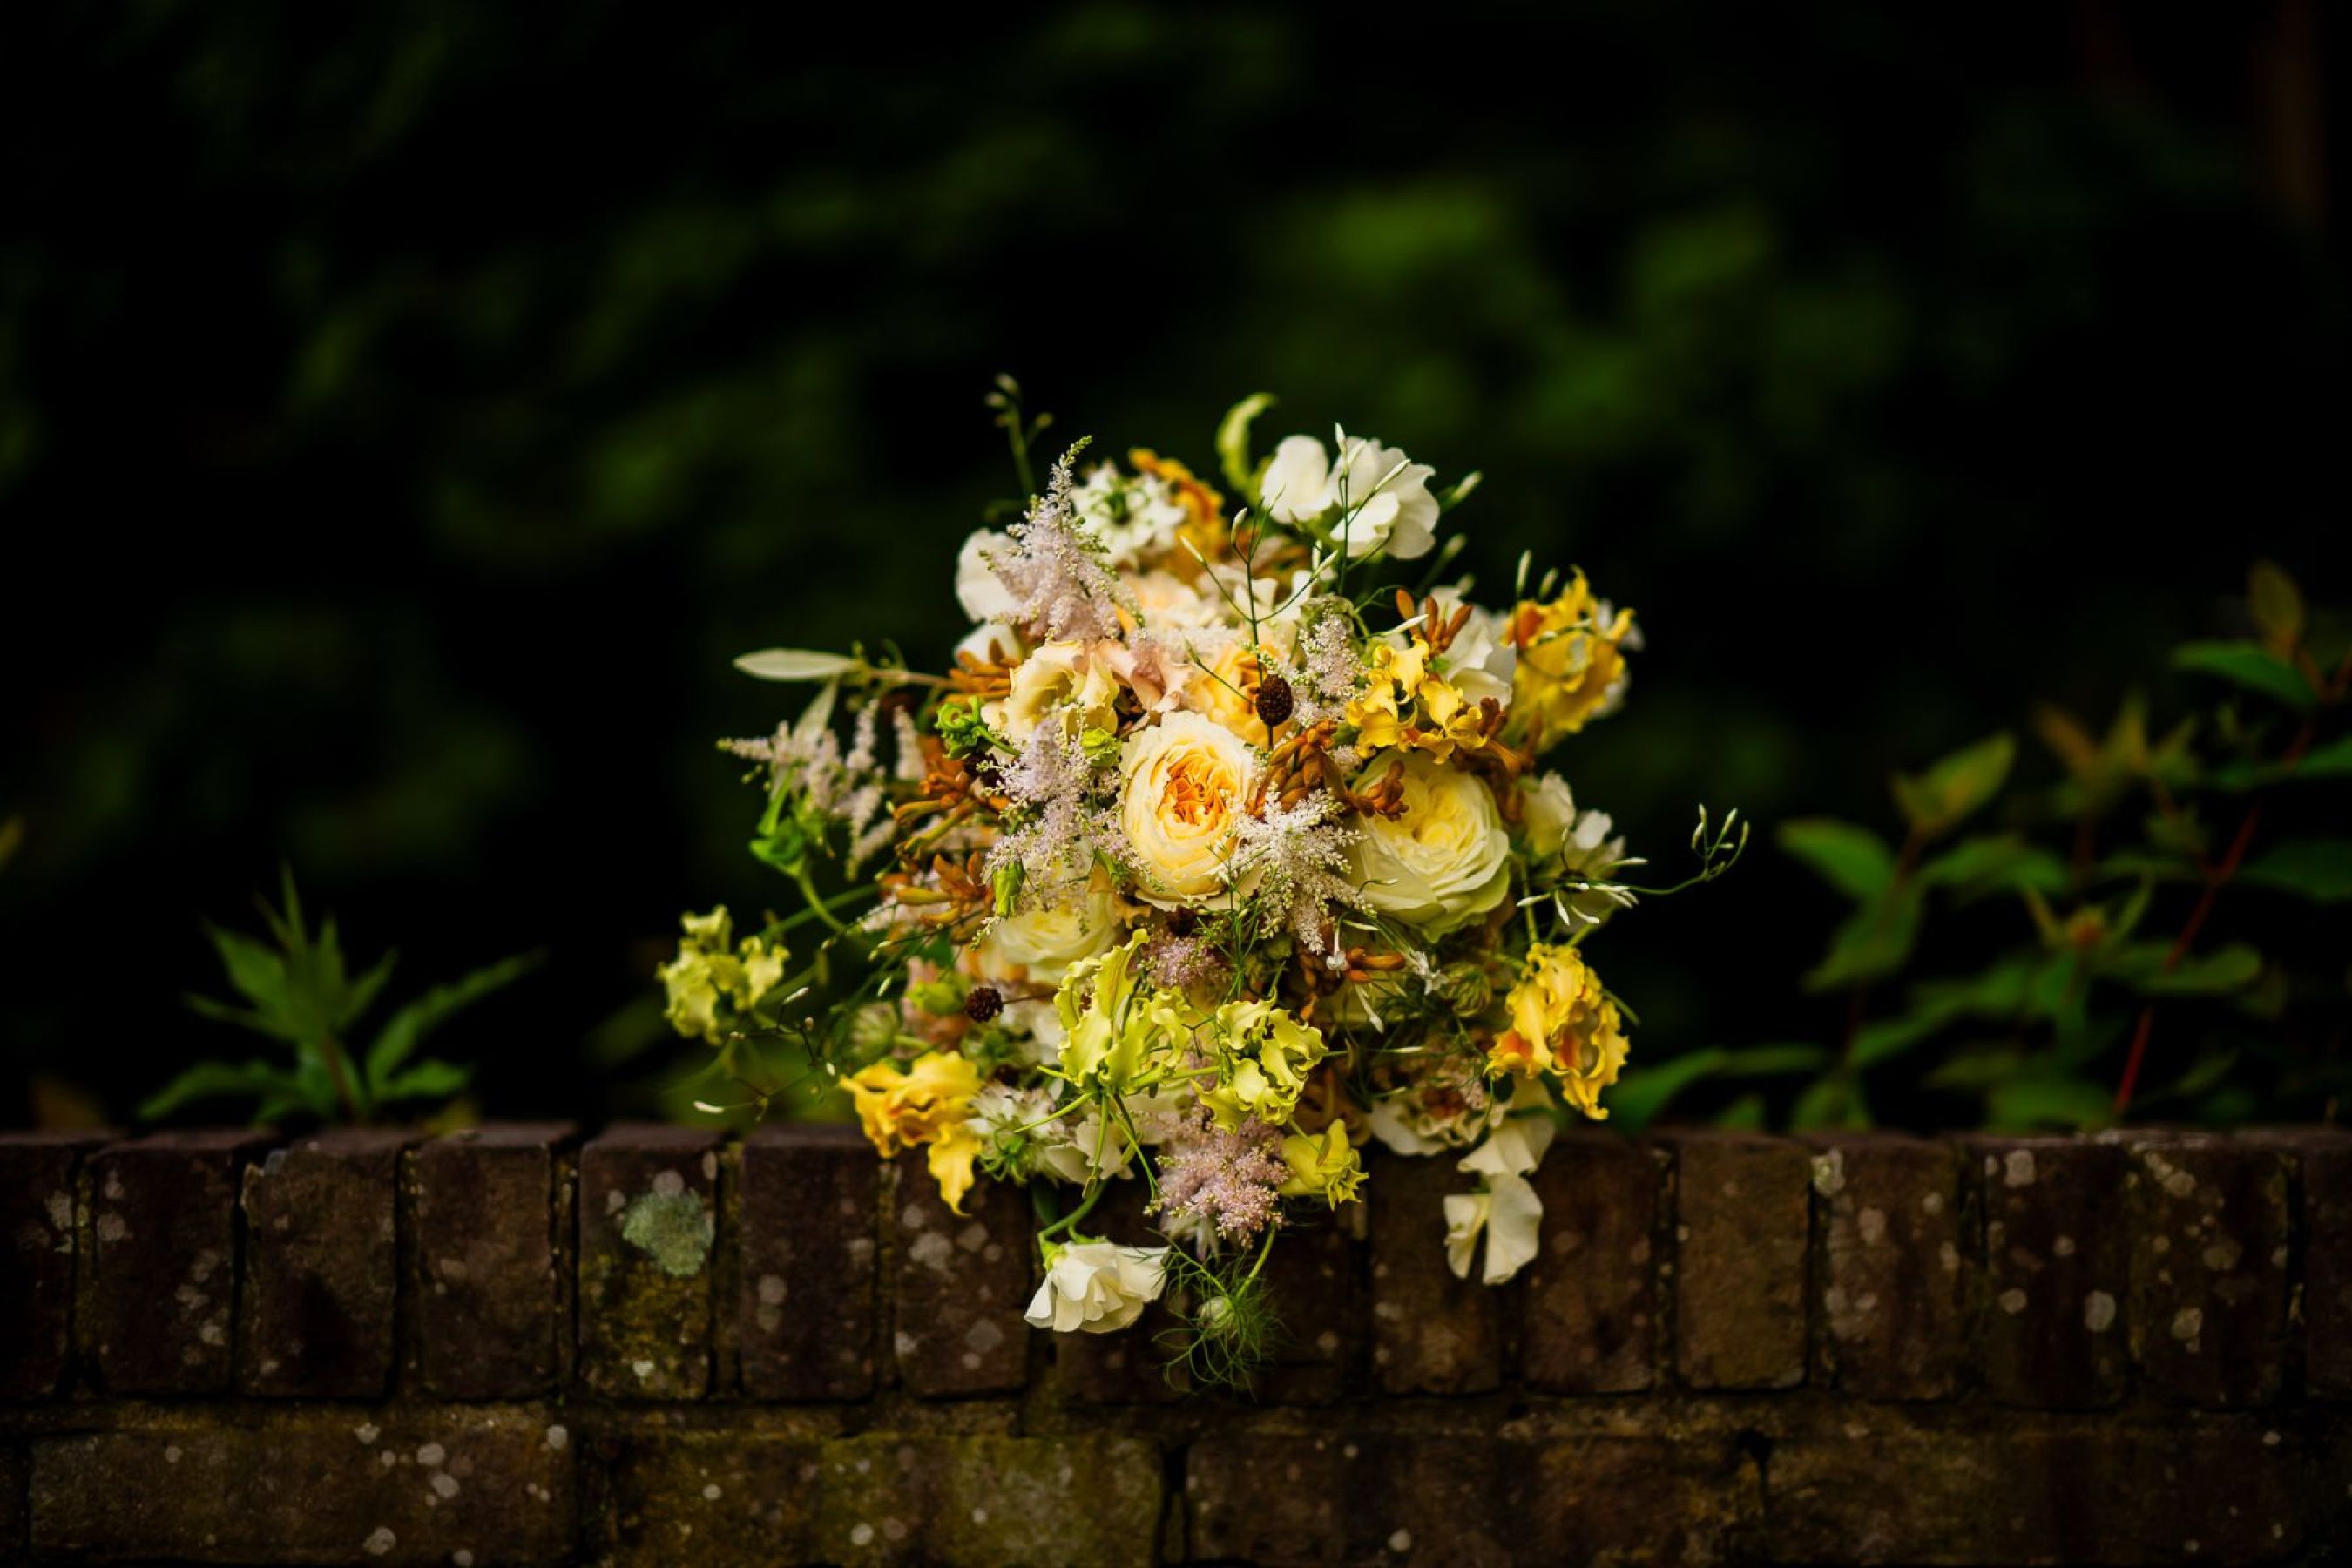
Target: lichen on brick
[(672, 1227)]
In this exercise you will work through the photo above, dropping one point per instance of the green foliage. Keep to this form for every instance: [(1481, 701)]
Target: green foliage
[(2050, 964), (297, 990)]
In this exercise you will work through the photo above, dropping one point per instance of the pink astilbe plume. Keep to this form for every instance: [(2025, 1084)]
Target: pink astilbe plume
[(1299, 855), (1062, 584), (1060, 827), (1226, 1179)]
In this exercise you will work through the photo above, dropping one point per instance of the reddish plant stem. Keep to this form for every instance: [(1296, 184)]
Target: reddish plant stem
[(2217, 877)]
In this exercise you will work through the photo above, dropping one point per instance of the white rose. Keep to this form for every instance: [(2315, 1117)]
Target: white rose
[(1039, 945), (1445, 859), (1372, 494), (983, 597), (1097, 1286), (1183, 784)]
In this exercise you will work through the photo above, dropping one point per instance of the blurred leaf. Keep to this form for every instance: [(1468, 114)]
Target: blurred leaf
[(1977, 1067), (1996, 862), (12, 839), (409, 1026), (2066, 737), (1638, 1097), (1874, 942), (2331, 760), (1744, 1114), (1853, 860), (2248, 665), (2141, 966), (1831, 1101), (2276, 606), (1937, 801), (431, 1078), (210, 1080), (2025, 1104), (1774, 1060), (2319, 869), (795, 664)]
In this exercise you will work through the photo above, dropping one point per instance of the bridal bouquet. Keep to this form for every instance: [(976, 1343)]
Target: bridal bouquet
[(1222, 849)]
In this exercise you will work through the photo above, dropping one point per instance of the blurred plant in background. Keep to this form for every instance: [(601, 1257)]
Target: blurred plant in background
[(300, 993), (2104, 991)]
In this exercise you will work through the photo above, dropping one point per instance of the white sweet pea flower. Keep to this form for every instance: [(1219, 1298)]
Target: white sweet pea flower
[(1097, 1286), (1136, 519), (1507, 1213), (1565, 843), (1373, 495)]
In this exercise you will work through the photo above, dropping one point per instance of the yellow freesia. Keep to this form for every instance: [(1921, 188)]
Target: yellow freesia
[(1563, 1023), (928, 1103)]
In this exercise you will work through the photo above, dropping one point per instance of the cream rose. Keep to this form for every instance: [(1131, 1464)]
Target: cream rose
[(1183, 783), (1039, 945), (1071, 678), (1446, 858)]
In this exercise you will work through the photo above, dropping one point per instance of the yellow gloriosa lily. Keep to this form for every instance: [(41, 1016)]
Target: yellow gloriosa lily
[(928, 1103), (1112, 1026), (1263, 1056), (1322, 1164), (1563, 1023)]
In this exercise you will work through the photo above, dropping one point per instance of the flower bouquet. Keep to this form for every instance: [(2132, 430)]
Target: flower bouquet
[(1220, 851)]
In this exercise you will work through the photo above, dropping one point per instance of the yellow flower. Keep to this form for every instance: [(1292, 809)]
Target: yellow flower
[(1562, 1022), (1571, 662), (1183, 786), (1224, 686), (1263, 1056), (1111, 1026), (928, 1103), (1406, 704), (1322, 1164), (708, 985)]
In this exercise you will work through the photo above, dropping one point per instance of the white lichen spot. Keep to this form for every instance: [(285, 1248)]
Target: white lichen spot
[(2180, 1183), (1401, 1541), (462, 1558), (2161, 1246), (711, 1166), (644, 1369), (367, 1432), (861, 1534), (110, 1229), (2064, 1246), (445, 1485), (711, 1492), (431, 1454), (979, 1516), (2223, 1256), (1829, 1173), (615, 1201), (984, 1335), (1932, 1204), (1872, 1225), (2019, 1168), (2098, 1311), (2187, 1324), (171, 1453), (1949, 1257), (2012, 1301), (668, 1184), (2269, 1439), (380, 1540), (771, 1289), (933, 1251), (558, 1439)]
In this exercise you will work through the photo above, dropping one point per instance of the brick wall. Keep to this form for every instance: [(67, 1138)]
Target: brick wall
[(654, 1346)]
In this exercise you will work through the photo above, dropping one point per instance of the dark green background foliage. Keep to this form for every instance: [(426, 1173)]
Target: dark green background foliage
[(403, 416)]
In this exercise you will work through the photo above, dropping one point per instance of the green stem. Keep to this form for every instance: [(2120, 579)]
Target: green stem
[(817, 906)]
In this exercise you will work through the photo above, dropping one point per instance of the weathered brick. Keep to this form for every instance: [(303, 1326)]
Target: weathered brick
[(15, 1505), (729, 1499), (649, 1226), (1314, 1287), (1432, 1333), (477, 1484), (1592, 1289), (2208, 1221), (960, 1285), (36, 1258), (321, 1267), (159, 1297), (1741, 1224), (1892, 1271), (1866, 1485), (2323, 1159), (1129, 1366), (805, 1316), (1375, 1496), (493, 1221), (2052, 1326)]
